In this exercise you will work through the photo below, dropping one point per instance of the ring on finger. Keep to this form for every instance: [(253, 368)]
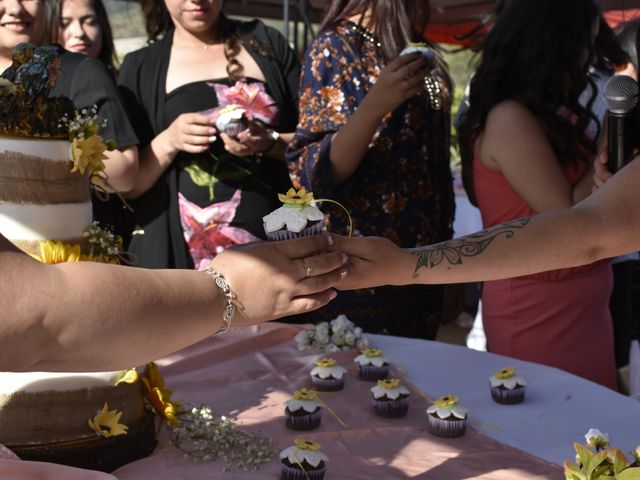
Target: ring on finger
[(308, 269)]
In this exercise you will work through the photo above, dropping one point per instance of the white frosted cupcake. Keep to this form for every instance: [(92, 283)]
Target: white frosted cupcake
[(390, 399), (297, 217), (507, 388), (327, 376), (372, 365), (446, 417), (303, 461), (231, 120), (303, 411), (422, 48)]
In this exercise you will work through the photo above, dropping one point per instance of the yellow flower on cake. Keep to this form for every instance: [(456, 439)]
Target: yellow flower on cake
[(57, 252), (127, 376), (88, 153), (158, 395), (105, 423)]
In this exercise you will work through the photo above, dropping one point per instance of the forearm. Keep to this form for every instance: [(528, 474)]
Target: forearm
[(89, 316), (154, 160), (278, 150), (121, 168), (350, 143), (584, 187)]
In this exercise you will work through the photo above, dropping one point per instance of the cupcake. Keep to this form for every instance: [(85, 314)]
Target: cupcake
[(447, 418), (327, 376), (303, 461), (303, 411), (390, 399), (231, 120), (507, 387), (372, 366), (422, 48), (297, 217)]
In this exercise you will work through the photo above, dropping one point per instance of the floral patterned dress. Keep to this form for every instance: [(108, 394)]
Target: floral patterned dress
[(402, 189)]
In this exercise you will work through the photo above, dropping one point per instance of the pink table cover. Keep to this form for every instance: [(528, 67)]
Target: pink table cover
[(249, 373)]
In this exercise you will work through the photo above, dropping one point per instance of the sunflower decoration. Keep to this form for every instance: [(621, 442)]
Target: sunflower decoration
[(159, 396), (106, 423)]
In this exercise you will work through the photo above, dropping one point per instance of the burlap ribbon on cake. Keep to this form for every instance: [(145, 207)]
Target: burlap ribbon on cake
[(26, 179)]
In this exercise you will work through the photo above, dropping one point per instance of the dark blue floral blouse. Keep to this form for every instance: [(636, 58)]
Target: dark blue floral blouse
[(403, 188)]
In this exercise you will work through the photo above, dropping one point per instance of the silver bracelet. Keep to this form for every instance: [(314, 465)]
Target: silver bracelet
[(230, 309)]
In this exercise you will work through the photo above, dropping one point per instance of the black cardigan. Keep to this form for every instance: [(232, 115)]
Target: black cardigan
[(158, 241)]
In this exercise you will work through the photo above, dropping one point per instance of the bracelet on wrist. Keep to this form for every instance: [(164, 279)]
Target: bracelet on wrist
[(230, 308)]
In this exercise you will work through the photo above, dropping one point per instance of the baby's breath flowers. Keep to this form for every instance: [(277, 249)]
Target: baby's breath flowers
[(204, 437), (103, 245), (337, 335)]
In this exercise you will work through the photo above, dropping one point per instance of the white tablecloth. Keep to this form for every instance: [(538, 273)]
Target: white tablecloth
[(558, 410)]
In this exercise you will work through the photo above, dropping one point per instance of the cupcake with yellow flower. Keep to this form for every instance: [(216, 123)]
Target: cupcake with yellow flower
[(447, 418), (327, 376), (372, 365), (390, 399), (303, 411), (507, 387), (303, 461), (232, 119), (297, 217)]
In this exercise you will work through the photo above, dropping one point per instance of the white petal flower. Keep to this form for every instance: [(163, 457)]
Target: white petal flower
[(308, 406), (297, 455), (375, 361), (596, 438), (457, 411), (509, 383), (392, 393), (335, 371), (294, 218)]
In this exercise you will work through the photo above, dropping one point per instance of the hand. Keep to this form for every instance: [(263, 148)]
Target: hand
[(253, 140), (275, 279), (373, 261), (402, 79), (191, 132), (601, 171)]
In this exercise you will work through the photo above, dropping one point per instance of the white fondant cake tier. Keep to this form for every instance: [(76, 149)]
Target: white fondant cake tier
[(64, 221), (32, 382), (56, 150)]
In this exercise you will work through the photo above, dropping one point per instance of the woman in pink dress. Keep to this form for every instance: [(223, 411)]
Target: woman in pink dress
[(526, 149)]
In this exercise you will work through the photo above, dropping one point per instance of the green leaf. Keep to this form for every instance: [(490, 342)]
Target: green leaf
[(572, 472), (619, 460), (629, 474)]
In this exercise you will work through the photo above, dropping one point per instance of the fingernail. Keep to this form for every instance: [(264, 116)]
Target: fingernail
[(212, 138), (343, 273), (330, 240), (344, 257), (332, 294)]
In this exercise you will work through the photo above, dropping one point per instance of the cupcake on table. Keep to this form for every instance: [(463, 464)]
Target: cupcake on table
[(303, 411), (372, 365), (507, 387), (390, 399), (447, 418), (303, 461), (327, 376), (297, 217)]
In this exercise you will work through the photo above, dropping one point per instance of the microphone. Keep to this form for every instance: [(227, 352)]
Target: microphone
[(621, 94)]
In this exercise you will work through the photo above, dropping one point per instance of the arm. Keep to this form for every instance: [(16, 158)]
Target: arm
[(514, 143), (604, 225), (90, 316)]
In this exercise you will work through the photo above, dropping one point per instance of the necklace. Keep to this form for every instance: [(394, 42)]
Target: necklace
[(365, 33)]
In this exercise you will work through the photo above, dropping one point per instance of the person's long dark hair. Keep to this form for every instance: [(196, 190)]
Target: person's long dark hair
[(107, 55), (158, 22), (538, 53)]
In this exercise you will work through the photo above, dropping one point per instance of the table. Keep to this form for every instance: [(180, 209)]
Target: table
[(249, 373)]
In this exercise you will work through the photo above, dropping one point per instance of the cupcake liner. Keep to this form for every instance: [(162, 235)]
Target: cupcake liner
[(328, 384), (508, 397), (295, 473), (308, 421), (391, 408), (314, 229), (446, 428), (372, 373)]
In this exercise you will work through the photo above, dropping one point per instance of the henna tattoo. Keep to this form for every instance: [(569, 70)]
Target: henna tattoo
[(453, 251)]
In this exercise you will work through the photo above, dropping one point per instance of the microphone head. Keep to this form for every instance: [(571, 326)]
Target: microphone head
[(621, 94)]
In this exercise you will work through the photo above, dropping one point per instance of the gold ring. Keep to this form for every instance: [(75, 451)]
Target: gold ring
[(308, 270)]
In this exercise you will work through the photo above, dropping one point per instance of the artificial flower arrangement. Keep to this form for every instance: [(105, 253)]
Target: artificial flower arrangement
[(195, 431), (339, 334), (598, 461), (241, 103)]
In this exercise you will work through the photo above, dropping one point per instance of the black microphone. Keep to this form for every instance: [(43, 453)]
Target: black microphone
[(621, 94)]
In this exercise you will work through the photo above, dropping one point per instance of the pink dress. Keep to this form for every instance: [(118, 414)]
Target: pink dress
[(559, 318)]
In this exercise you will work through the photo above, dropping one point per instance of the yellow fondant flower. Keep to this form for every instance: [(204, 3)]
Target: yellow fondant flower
[(57, 252), (325, 362), (505, 373), (296, 198), (105, 423), (306, 444), (88, 153), (389, 383), (158, 395), (446, 401), (127, 376), (304, 394), (372, 352)]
